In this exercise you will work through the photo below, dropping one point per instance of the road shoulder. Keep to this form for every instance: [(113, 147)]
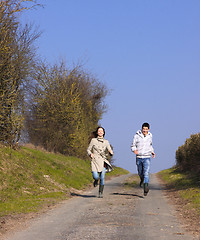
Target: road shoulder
[(187, 216)]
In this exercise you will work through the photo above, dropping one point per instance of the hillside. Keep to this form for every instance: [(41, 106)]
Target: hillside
[(31, 179)]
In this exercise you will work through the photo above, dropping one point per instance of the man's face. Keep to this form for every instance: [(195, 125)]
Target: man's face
[(145, 131)]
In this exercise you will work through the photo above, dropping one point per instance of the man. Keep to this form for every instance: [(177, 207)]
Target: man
[(142, 147)]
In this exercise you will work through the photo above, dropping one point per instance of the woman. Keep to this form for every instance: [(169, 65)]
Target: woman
[(99, 163)]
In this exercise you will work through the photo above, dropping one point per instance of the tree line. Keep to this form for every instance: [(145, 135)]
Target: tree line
[(54, 106)]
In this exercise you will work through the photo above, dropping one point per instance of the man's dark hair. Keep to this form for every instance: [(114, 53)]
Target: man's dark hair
[(146, 125)]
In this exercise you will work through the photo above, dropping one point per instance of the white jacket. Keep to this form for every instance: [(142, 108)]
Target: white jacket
[(142, 144)]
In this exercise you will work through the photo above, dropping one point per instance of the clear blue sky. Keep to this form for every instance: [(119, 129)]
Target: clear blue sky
[(146, 51)]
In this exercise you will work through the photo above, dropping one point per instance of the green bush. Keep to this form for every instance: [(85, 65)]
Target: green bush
[(188, 155)]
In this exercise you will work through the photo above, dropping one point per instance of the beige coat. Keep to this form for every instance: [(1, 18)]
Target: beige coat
[(98, 147)]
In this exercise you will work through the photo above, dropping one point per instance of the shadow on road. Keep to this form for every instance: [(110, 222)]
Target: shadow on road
[(155, 187), (114, 184), (128, 194), (84, 196)]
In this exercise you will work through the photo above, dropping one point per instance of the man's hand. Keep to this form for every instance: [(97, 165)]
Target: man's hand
[(136, 151), (153, 154)]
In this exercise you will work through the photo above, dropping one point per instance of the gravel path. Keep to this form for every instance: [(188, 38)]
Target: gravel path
[(123, 214)]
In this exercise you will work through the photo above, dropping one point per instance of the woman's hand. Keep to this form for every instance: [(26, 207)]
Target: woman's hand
[(91, 155), (111, 153)]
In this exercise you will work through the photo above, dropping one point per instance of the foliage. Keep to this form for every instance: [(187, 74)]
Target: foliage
[(16, 62), (188, 155), (65, 108)]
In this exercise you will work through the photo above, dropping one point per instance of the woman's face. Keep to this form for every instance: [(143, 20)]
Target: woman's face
[(100, 132)]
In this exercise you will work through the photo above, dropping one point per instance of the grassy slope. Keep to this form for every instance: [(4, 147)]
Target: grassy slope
[(186, 186), (31, 179)]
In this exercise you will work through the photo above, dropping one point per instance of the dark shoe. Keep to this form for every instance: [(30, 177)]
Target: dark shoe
[(146, 189), (101, 191), (95, 183), (141, 181), (100, 195)]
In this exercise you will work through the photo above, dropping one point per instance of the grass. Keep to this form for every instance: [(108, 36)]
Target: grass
[(31, 179), (132, 181), (186, 185)]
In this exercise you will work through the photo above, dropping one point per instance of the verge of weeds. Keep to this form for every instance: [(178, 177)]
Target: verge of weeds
[(132, 181), (184, 191)]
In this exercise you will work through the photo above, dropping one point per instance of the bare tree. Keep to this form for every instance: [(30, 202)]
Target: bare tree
[(16, 62)]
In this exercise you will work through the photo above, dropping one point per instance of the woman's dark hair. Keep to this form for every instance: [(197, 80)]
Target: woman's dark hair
[(146, 125), (92, 135), (96, 132)]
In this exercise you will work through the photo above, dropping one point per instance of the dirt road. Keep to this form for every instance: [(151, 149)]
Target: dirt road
[(123, 214)]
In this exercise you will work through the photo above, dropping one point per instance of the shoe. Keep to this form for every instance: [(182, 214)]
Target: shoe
[(95, 183), (146, 189), (100, 195), (141, 181), (101, 191)]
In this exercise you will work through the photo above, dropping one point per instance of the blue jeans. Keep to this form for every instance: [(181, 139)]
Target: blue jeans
[(102, 176), (143, 166)]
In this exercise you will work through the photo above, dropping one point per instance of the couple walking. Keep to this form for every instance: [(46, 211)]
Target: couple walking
[(141, 146)]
